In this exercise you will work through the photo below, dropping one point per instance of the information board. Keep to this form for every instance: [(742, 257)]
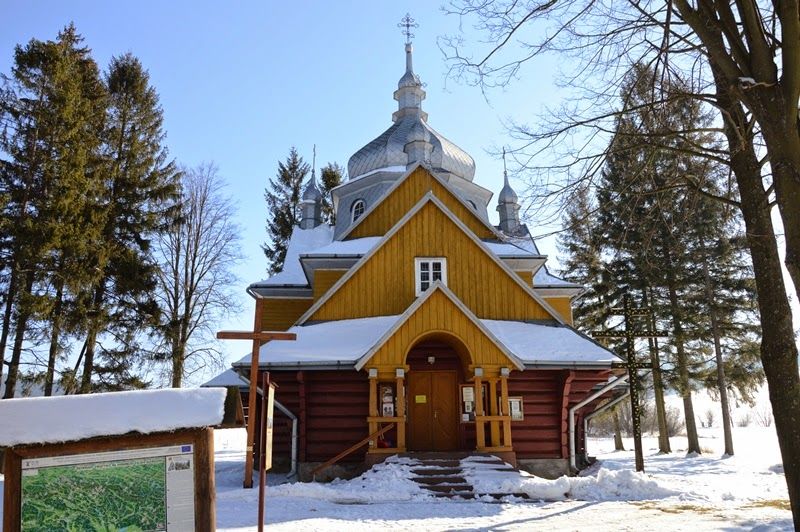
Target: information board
[(268, 435), (141, 489)]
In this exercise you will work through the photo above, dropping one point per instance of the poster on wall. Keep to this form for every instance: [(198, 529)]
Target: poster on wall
[(82, 492)]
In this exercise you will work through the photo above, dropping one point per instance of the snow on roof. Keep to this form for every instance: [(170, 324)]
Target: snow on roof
[(224, 379), (544, 278), (357, 246), (346, 341), (512, 249), (76, 417), (548, 344), (302, 241), (330, 342)]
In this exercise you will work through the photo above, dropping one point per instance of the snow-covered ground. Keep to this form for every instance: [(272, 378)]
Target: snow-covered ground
[(708, 492)]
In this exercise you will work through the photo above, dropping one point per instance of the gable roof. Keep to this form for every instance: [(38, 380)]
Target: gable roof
[(438, 287), (429, 198), (372, 208)]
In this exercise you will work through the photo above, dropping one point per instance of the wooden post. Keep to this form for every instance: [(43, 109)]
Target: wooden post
[(480, 435), (258, 338), (206, 514), (373, 406), (251, 400), (401, 412), (505, 410), (494, 426)]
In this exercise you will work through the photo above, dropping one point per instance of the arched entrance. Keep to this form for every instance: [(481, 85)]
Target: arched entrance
[(436, 369)]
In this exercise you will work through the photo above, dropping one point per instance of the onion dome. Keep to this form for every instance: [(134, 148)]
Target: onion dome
[(311, 192), (394, 149)]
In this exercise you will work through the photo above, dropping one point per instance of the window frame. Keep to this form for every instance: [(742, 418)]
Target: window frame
[(418, 261), (358, 202)]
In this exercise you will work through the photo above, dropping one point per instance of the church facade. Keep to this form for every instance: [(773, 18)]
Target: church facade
[(420, 322)]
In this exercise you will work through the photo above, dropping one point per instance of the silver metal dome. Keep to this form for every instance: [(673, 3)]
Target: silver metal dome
[(410, 139)]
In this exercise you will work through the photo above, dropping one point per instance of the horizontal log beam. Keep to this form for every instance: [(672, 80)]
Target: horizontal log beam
[(251, 335)]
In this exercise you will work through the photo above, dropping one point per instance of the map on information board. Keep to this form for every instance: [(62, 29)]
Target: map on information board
[(119, 491)]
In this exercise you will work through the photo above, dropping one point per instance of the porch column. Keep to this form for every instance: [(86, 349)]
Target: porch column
[(373, 402), (494, 426), (504, 407), (401, 408), (480, 435)]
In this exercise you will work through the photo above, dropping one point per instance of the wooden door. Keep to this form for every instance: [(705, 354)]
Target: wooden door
[(432, 411)]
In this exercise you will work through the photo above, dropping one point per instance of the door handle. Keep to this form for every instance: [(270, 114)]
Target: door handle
[(435, 414)]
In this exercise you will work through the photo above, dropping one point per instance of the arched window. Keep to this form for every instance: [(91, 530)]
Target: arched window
[(472, 204), (357, 209)]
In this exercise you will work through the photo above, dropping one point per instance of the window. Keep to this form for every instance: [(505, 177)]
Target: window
[(472, 204), (429, 270), (356, 210)]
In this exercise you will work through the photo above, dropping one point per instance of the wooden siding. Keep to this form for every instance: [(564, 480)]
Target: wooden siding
[(525, 275), (405, 196), (544, 431), (439, 314), (563, 306), (384, 285), (332, 414), (324, 279), (332, 407), (278, 314)]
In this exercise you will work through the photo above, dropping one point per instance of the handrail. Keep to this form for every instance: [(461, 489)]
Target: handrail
[(349, 450)]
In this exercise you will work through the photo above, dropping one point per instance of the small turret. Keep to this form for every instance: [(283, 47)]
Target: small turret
[(311, 204), (508, 205)]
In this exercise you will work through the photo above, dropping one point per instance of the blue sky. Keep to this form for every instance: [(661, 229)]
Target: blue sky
[(242, 82)]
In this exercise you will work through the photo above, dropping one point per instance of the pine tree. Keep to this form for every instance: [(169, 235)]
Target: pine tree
[(54, 111), (283, 207), (140, 200), (331, 177)]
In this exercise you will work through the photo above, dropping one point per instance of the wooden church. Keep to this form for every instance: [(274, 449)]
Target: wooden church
[(420, 325)]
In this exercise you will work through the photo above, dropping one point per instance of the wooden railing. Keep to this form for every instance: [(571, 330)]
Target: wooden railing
[(373, 436)]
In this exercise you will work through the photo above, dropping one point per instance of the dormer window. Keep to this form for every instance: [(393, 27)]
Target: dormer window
[(357, 210), (429, 270)]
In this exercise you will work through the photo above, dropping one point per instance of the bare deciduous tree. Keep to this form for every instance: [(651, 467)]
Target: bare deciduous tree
[(740, 58), (196, 278)]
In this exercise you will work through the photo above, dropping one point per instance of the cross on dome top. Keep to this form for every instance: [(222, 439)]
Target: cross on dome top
[(406, 24)]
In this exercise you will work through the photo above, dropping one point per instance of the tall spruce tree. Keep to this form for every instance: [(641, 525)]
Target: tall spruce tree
[(283, 207), (53, 112), (331, 176), (140, 200), (674, 246)]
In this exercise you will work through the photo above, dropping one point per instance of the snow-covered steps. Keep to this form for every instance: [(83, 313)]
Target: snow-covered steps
[(445, 474)]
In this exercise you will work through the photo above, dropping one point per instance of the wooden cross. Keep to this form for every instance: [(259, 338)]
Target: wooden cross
[(258, 338), (630, 334)]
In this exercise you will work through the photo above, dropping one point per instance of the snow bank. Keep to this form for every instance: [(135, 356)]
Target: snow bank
[(386, 482), (607, 485), (75, 417)]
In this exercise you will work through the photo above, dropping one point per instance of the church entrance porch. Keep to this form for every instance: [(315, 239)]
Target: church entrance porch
[(439, 400)]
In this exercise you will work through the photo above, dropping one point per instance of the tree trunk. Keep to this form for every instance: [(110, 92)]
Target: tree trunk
[(23, 314), (618, 444), (7, 312), (722, 384), (91, 338), (178, 356), (658, 384), (55, 333), (693, 442), (778, 349)]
